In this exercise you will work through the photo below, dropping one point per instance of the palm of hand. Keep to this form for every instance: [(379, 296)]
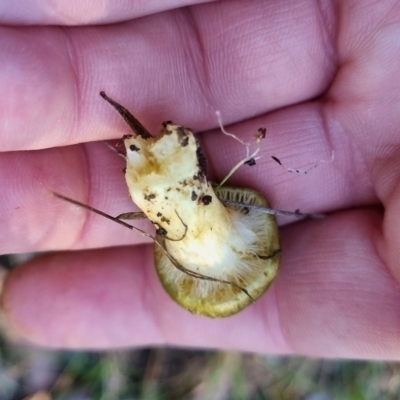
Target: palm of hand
[(320, 79)]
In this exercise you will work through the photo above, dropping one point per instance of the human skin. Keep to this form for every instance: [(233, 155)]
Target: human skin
[(321, 76)]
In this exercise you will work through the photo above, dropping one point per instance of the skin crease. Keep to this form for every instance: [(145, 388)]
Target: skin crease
[(321, 76)]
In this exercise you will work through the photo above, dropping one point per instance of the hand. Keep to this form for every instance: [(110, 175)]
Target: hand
[(320, 76)]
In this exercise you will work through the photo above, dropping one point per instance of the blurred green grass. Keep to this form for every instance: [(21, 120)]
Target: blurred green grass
[(172, 373), (168, 373)]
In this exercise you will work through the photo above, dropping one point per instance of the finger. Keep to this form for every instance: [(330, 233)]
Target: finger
[(357, 119), (177, 68), (82, 13), (93, 175), (299, 136), (338, 298), (333, 298), (35, 220)]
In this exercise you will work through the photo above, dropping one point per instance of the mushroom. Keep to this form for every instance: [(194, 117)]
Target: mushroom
[(212, 258)]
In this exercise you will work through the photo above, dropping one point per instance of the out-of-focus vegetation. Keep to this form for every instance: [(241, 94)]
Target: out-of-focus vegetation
[(163, 374)]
